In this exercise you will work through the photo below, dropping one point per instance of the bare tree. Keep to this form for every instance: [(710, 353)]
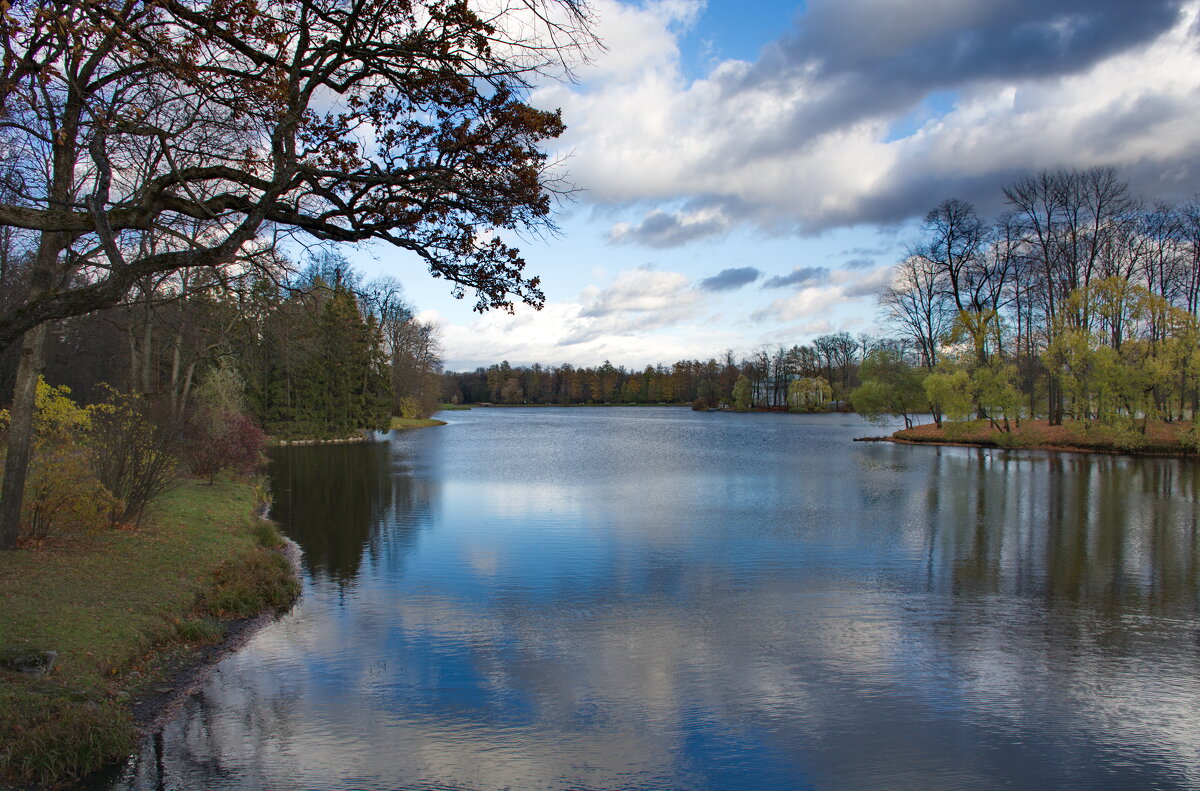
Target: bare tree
[(917, 305), (1068, 219), (952, 244)]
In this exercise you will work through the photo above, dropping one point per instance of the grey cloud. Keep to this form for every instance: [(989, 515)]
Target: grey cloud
[(989, 38), (660, 229), (798, 276), (1140, 117), (913, 190), (871, 60), (855, 65), (730, 279), (858, 263)]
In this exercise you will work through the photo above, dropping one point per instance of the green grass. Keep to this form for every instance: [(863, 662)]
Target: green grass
[(452, 407), (416, 422), (106, 602)]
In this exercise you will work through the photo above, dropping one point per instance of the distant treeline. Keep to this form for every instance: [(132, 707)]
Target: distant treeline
[(771, 373)]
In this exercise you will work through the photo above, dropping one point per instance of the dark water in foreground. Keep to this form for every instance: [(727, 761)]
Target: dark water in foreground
[(661, 599)]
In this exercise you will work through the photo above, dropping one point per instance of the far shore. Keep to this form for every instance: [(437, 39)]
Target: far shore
[(407, 423), (490, 405)]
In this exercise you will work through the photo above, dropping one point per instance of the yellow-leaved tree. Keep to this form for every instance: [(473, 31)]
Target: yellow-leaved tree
[(63, 494)]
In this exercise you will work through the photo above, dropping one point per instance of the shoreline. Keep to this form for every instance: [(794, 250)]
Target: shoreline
[(185, 674), (925, 435), (277, 442), (137, 619), (367, 435)]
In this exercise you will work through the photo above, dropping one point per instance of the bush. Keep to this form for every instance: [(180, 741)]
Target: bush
[(62, 494), (220, 440), (409, 407), (136, 457), (964, 430), (250, 585), (1125, 433), (63, 738), (1191, 438), (199, 630), (267, 534)]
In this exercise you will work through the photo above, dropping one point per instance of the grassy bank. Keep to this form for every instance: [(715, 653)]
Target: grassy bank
[(114, 606), (416, 422), (1159, 437)]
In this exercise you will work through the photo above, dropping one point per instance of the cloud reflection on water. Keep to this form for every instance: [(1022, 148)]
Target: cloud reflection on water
[(772, 607)]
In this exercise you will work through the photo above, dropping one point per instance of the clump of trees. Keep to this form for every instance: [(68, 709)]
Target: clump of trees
[(315, 362), (1079, 302), (202, 363)]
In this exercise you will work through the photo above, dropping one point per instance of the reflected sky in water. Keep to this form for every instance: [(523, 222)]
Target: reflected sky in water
[(661, 599)]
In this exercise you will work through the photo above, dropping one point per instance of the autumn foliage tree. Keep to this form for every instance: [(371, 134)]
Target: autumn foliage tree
[(153, 136)]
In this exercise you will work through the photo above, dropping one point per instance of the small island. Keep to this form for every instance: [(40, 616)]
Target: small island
[(1159, 438)]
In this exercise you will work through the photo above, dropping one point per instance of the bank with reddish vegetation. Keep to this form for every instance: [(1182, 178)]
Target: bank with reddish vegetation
[(1153, 437)]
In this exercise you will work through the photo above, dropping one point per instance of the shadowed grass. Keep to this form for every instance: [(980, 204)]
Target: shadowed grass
[(105, 602)]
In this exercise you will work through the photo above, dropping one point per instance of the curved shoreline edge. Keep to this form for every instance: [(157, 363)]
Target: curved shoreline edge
[(134, 620), (187, 674)]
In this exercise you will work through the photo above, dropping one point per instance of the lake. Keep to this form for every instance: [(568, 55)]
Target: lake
[(653, 598)]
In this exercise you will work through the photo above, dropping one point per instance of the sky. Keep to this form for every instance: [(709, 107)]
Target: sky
[(747, 174)]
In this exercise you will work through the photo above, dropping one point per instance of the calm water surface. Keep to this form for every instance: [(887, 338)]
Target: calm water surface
[(661, 599)]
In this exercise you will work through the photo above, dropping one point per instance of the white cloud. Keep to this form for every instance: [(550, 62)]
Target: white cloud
[(776, 151), (643, 290), (645, 316), (640, 38)]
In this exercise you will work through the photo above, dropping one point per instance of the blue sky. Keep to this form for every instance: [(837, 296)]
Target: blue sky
[(748, 173)]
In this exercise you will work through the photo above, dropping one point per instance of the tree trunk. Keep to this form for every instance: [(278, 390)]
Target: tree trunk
[(147, 386), (20, 434), (176, 355), (1054, 398), (186, 392), (134, 360)]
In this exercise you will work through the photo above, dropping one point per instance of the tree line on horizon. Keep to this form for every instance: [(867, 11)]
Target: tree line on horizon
[(830, 363)]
